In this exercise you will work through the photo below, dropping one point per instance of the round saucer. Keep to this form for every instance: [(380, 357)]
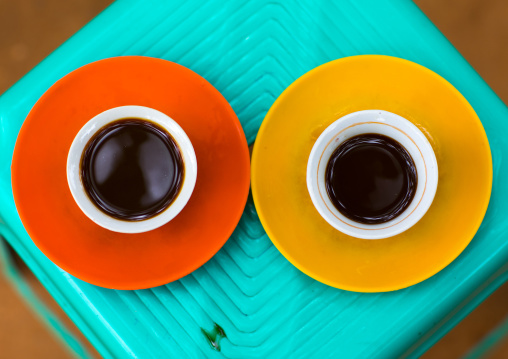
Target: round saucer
[(306, 109), (130, 261)]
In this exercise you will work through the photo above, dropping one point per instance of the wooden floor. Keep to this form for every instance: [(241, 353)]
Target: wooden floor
[(31, 29)]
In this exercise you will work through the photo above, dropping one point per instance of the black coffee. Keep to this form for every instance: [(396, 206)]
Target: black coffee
[(371, 178), (132, 169)]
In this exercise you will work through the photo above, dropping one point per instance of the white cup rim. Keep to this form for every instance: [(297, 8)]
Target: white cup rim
[(388, 124), (90, 129)]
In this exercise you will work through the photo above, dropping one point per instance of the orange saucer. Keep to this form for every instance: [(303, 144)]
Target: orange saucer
[(130, 261)]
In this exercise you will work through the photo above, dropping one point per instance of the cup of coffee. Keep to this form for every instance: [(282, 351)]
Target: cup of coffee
[(372, 174), (131, 169)]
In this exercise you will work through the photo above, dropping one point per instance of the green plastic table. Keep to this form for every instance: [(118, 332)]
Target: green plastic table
[(251, 51)]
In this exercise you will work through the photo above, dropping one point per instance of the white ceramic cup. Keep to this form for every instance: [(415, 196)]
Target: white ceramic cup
[(390, 125), (90, 129)]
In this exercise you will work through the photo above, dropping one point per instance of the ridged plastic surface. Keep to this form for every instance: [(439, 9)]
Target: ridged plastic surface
[(251, 51)]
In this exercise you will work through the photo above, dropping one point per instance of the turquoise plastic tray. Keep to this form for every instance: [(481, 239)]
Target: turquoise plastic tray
[(251, 51)]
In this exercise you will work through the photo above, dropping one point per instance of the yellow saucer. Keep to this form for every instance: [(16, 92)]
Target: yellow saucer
[(352, 84)]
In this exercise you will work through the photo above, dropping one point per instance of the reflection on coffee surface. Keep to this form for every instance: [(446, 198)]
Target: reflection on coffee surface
[(371, 178), (132, 169)]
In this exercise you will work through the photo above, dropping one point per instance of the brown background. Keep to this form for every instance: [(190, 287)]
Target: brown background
[(31, 29)]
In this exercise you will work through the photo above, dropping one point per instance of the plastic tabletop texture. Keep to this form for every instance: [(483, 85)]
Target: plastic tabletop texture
[(251, 51)]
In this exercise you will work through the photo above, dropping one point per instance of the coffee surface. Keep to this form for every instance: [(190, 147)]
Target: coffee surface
[(132, 169), (371, 178)]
